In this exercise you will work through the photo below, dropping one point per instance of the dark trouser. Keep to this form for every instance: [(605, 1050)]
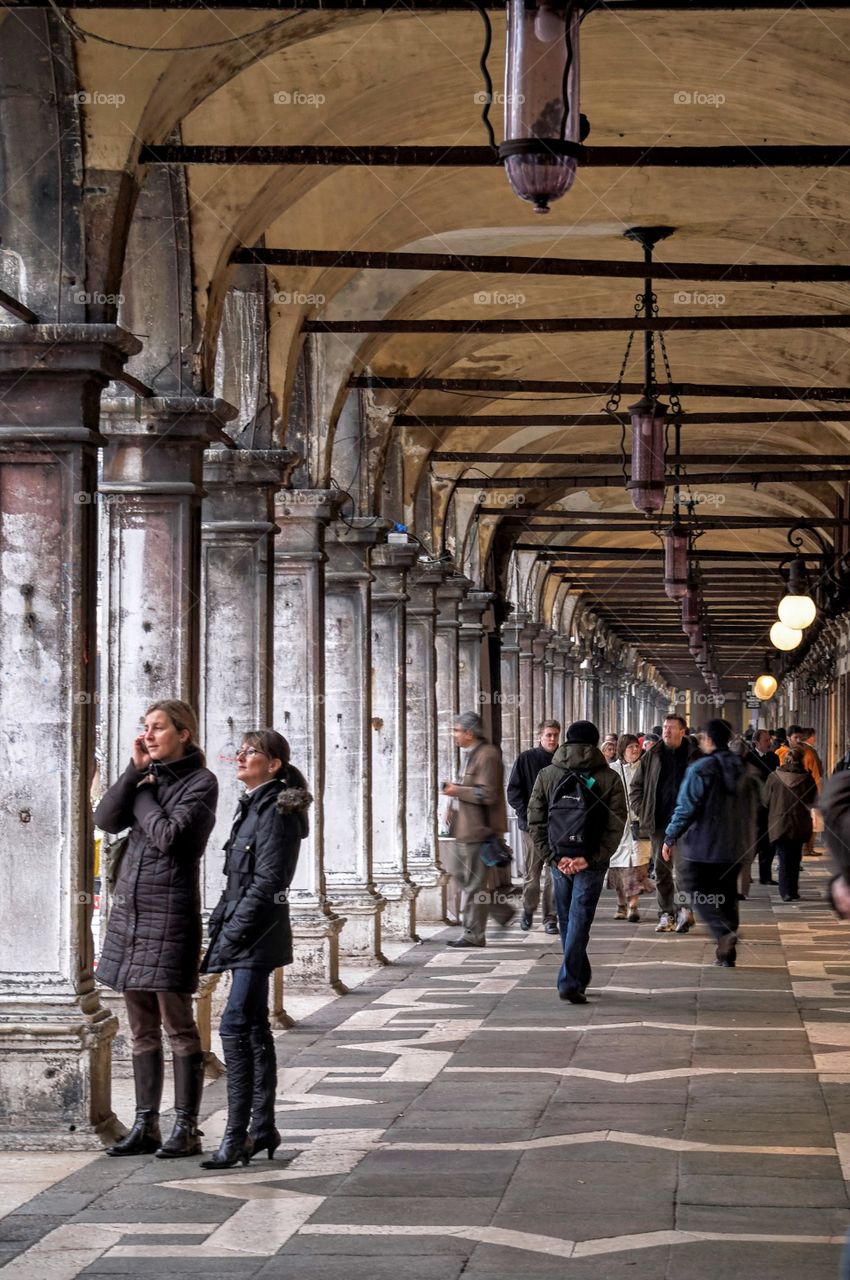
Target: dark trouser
[(247, 1006), (149, 1011), (790, 855), (670, 892), (765, 849), (575, 902), (713, 889), (475, 880), (535, 873)]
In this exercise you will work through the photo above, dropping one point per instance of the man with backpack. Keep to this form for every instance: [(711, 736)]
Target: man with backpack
[(576, 817)]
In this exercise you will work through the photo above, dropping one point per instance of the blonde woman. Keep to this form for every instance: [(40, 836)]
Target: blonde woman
[(151, 951), (628, 871)]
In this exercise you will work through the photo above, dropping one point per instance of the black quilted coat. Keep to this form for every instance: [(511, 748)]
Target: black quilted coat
[(153, 938), (249, 928)]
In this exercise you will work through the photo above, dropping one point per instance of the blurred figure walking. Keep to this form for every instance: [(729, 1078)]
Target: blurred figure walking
[(520, 786)]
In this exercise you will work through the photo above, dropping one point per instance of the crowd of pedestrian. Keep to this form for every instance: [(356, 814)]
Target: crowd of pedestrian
[(680, 815)]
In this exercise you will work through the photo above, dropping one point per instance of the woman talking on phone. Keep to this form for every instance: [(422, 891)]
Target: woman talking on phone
[(250, 935), (152, 945)]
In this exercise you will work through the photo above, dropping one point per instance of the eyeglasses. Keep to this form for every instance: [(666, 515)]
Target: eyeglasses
[(248, 752)]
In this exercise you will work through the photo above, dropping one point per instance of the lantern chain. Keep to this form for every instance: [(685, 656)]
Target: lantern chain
[(675, 402)]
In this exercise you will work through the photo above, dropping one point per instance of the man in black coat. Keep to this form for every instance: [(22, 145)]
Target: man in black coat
[(765, 759), (520, 786)]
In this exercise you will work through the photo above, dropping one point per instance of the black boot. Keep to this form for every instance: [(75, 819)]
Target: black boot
[(236, 1145), (263, 1129), (144, 1137), (185, 1137)]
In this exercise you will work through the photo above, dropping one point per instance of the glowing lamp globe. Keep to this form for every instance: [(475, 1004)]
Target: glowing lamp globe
[(797, 612), (784, 638), (765, 687)]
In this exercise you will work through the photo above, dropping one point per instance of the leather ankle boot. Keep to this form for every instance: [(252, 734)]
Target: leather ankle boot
[(144, 1137), (185, 1139), (263, 1129), (236, 1145)]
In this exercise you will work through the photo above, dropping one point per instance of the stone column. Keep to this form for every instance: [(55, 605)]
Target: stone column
[(447, 639), (237, 558), (55, 1036), (299, 713), (538, 678), (570, 685), (526, 685), (559, 680), (511, 630), (151, 489), (348, 739), (471, 692), (390, 566), (423, 861), (549, 679)]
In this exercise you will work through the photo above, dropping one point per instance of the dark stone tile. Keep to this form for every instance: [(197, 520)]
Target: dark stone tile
[(741, 1190), (409, 1210), (365, 1266)]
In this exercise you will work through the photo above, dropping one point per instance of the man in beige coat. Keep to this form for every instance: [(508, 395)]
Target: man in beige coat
[(479, 812)]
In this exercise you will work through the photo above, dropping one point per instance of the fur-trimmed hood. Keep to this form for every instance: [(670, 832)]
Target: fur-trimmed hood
[(293, 800)]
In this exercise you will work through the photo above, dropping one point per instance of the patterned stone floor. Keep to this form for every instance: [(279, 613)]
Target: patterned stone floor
[(453, 1117)]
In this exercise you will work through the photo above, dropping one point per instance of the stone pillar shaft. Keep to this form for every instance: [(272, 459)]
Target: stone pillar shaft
[(299, 712), (348, 730), (55, 1036), (422, 778), (390, 565), (526, 685)]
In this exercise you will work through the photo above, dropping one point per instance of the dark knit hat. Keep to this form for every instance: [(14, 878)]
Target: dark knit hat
[(583, 731)]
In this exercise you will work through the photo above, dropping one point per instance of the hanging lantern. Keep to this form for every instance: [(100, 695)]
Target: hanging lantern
[(797, 609), (676, 561), (765, 686), (542, 119), (784, 638), (690, 607), (648, 445)]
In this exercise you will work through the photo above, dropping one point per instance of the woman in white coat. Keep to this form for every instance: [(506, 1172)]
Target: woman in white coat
[(628, 872)]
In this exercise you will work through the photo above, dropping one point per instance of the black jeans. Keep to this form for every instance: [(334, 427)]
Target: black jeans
[(765, 848), (713, 887), (790, 855), (247, 1006)]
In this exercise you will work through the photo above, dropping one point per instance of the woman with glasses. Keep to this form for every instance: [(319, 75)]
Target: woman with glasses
[(250, 935)]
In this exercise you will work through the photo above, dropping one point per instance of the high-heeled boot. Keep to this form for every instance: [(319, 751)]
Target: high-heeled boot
[(263, 1129), (185, 1139), (144, 1137), (236, 1144)]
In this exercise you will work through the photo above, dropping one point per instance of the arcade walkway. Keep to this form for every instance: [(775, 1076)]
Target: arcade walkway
[(452, 1117)]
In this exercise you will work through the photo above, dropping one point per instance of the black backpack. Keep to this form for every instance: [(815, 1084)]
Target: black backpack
[(576, 816)]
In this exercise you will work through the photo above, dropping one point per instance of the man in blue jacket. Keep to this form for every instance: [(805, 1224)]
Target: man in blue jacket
[(708, 827)]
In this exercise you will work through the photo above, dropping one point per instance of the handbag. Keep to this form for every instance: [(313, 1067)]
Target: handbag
[(495, 853), (114, 857)]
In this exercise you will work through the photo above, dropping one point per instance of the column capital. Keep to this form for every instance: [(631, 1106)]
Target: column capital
[(259, 468), (157, 445), (358, 531), (318, 506), (46, 372), (239, 488)]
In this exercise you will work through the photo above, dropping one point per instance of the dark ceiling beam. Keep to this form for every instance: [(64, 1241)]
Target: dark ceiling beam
[(591, 481), (605, 527), (626, 553), (615, 459), (429, 6), (584, 324), (517, 264), (777, 418), (542, 386), (755, 156)]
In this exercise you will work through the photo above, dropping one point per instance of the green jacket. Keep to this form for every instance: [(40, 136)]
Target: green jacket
[(609, 788)]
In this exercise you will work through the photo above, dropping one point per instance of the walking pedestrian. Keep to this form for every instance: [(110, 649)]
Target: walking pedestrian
[(790, 792), (628, 871), (707, 828), (752, 788), (576, 815), (653, 793), (766, 761), (167, 797), (609, 747), (251, 936), (520, 785), (479, 816)]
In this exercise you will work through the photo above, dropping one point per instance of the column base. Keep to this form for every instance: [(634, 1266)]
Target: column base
[(202, 1002), (360, 940), (278, 1017), (398, 922), (56, 1080), (431, 882), (315, 950)]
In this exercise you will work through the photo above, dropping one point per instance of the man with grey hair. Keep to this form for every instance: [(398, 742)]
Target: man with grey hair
[(478, 812)]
